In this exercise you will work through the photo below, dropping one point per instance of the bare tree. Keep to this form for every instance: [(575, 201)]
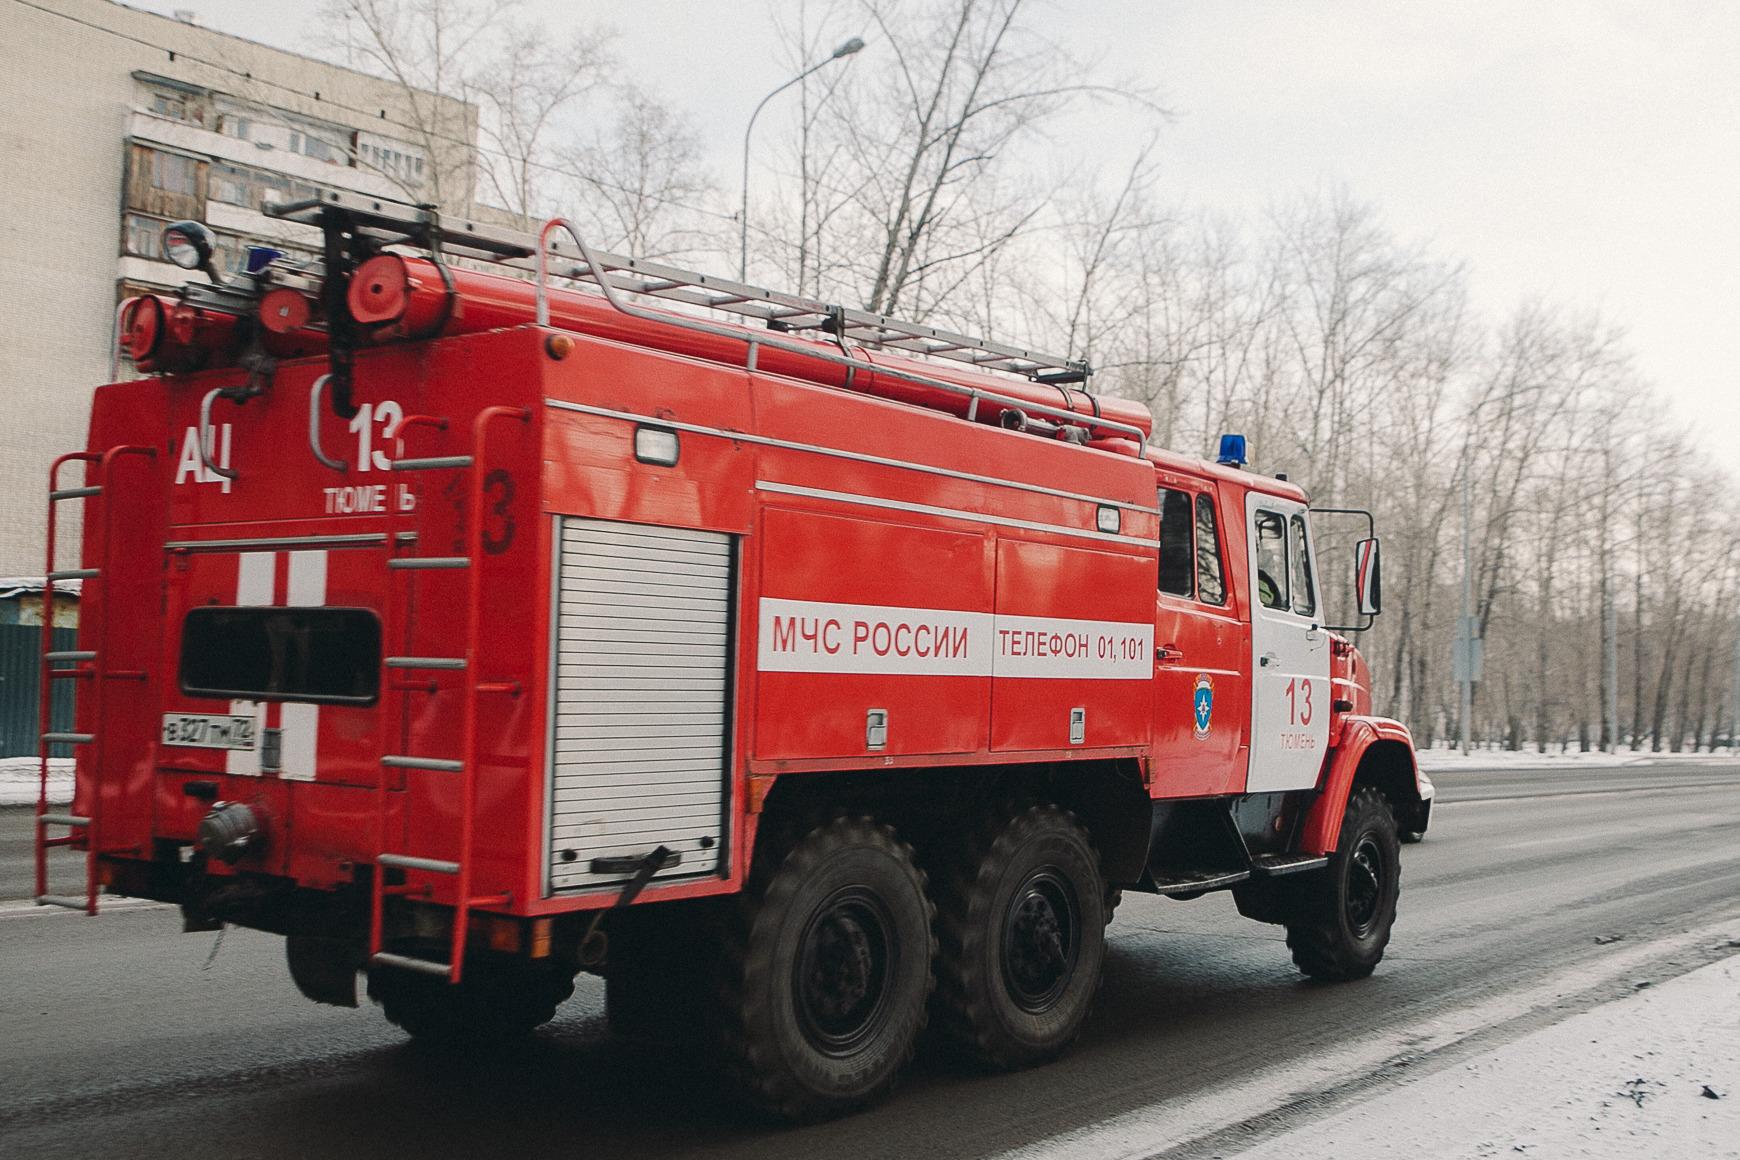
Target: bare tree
[(428, 48), (525, 82), (636, 182), (485, 89), (911, 175)]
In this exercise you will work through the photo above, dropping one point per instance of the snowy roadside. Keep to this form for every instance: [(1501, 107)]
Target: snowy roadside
[(18, 774), (19, 780), (1446, 759), (1656, 1073)]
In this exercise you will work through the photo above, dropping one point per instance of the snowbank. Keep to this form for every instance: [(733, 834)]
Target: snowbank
[(18, 780), (1654, 1074)]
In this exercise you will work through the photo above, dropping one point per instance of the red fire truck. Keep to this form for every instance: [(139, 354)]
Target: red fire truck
[(806, 673)]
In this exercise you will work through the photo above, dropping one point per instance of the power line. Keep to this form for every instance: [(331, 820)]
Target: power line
[(378, 115)]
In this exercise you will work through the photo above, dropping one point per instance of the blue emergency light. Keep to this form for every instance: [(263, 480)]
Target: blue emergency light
[(259, 257), (1232, 451)]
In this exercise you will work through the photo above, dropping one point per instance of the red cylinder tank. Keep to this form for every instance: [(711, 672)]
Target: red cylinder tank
[(393, 296)]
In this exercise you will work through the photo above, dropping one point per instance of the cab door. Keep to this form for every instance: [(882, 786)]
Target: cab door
[(1200, 644), (1290, 690)]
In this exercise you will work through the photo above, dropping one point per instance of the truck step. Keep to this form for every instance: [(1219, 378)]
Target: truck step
[(1275, 865), (410, 862), (436, 764), (424, 563), (411, 963), (1198, 880), (432, 463), (425, 662)]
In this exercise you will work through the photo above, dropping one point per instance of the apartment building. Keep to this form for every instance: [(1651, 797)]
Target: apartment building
[(119, 121)]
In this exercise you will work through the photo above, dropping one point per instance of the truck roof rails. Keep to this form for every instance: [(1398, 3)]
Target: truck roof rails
[(388, 222)]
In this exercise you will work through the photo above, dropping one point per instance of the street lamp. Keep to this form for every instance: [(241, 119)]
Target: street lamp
[(846, 49)]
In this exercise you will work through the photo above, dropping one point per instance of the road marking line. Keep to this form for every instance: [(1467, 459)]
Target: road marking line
[(1442, 803), (27, 909)]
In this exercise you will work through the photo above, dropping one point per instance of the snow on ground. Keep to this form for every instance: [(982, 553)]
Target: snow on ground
[(1434, 760), (19, 780), (1656, 1074)]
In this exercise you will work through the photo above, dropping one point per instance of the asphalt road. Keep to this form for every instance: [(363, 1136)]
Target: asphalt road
[(115, 1039)]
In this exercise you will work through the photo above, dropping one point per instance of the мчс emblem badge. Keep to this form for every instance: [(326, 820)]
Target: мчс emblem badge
[(1202, 705)]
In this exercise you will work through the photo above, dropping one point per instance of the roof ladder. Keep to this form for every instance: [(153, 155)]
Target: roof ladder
[(389, 222)]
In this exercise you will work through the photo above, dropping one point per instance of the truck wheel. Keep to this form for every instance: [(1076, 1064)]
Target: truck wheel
[(826, 974), (1341, 917), (493, 1002), (1021, 937)]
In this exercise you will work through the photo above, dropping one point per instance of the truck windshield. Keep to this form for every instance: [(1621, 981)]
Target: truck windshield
[(282, 654)]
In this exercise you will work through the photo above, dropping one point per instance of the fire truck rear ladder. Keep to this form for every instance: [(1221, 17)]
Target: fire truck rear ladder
[(465, 765), (86, 666)]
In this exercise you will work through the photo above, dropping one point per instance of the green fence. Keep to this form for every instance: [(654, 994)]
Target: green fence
[(21, 689)]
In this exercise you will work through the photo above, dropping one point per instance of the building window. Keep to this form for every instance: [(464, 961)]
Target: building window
[(390, 158), (142, 237), (309, 145), (255, 188), (164, 105), (234, 125), (173, 173)]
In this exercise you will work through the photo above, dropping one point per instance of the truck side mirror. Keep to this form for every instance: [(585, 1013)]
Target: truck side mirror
[(1368, 586)]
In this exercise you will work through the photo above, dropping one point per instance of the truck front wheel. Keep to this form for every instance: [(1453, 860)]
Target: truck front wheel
[(1021, 938), (1340, 918), (826, 973)]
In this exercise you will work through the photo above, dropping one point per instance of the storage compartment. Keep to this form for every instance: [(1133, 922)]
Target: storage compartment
[(639, 756)]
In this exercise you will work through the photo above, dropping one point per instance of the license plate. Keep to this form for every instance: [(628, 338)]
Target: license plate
[(208, 732)]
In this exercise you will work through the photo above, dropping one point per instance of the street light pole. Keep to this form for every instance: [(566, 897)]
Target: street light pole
[(846, 49)]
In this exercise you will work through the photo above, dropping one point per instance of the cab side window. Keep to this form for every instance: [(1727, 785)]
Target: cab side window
[(1210, 576), (1177, 566), (1304, 594), (1271, 553)]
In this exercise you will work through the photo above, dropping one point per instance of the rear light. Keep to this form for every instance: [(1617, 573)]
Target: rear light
[(503, 934)]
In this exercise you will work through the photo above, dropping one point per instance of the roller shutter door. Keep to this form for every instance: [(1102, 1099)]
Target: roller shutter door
[(638, 747)]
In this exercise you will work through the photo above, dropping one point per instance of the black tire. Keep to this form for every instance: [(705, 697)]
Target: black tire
[(493, 1002), (826, 974), (1411, 837), (1021, 939), (1342, 915)]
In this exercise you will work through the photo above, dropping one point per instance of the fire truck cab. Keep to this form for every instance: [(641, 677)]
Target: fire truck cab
[(809, 675)]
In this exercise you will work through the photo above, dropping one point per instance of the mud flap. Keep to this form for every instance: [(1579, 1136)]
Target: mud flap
[(324, 969)]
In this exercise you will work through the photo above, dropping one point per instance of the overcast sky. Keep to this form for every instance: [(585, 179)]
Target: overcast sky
[(1584, 150)]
